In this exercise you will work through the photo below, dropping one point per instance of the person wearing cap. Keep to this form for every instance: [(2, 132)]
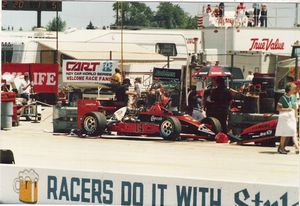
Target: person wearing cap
[(25, 87)]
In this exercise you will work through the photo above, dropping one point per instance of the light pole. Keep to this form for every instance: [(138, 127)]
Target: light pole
[(56, 51), (122, 47)]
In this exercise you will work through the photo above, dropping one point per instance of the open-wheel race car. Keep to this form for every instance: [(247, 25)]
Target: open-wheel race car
[(261, 134), (155, 121)]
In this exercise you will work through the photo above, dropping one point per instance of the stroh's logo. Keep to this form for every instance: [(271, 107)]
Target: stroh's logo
[(266, 44), (82, 66), (26, 184)]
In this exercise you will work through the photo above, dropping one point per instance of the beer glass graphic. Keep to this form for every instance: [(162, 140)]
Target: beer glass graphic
[(26, 184)]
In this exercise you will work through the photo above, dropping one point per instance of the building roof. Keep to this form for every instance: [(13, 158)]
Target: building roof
[(101, 51)]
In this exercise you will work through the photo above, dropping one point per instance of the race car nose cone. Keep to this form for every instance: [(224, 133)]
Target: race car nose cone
[(203, 128)]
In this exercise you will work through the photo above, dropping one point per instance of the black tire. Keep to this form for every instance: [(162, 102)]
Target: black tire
[(170, 128), (93, 123), (7, 157), (214, 123)]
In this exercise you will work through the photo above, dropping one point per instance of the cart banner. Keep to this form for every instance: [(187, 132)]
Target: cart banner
[(43, 77), (88, 71), (50, 186)]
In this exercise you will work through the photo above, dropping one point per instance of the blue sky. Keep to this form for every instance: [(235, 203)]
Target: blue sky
[(78, 14)]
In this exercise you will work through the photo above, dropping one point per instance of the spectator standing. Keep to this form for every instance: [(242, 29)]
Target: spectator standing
[(286, 126), (256, 13), (241, 8), (250, 76), (221, 13), (250, 17), (240, 14), (216, 12), (137, 90), (117, 77), (25, 87), (263, 15), (208, 9)]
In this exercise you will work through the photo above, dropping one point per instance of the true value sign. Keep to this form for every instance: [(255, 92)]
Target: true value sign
[(266, 44)]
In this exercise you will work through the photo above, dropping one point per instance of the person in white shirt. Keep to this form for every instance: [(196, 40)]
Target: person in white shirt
[(25, 87), (250, 76), (137, 91)]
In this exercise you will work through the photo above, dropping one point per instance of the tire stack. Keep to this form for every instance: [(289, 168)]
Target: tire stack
[(266, 93), (250, 104)]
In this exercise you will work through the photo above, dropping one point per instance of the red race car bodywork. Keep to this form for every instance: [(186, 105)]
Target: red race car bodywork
[(157, 120)]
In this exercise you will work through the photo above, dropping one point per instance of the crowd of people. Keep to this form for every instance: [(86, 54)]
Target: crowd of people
[(256, 16), (121, 87)]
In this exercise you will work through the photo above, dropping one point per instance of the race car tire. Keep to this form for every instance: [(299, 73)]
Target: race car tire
[(215, 124), (170, 128), (93, 123)]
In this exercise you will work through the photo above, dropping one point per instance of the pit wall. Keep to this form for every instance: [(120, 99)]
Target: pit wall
[(52, 186)]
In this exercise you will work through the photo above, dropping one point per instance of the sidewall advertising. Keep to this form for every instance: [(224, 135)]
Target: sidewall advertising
[(50, 186), (88, 71)]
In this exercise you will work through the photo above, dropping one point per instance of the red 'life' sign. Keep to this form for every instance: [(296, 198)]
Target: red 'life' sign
[(44, 77)]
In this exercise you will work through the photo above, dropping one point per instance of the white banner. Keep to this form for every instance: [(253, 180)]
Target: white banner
[(88, 71), (49, 186)]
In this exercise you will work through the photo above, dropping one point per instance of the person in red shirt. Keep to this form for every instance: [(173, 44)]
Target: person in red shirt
[(208, 9), (241, 6)]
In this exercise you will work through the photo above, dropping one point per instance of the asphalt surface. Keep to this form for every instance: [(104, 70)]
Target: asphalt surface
[(34, 145)]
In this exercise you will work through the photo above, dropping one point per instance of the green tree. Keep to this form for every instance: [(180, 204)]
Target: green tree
[(90, 26), (56, 24), (192, 22), (172, 16), (134, 14)]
